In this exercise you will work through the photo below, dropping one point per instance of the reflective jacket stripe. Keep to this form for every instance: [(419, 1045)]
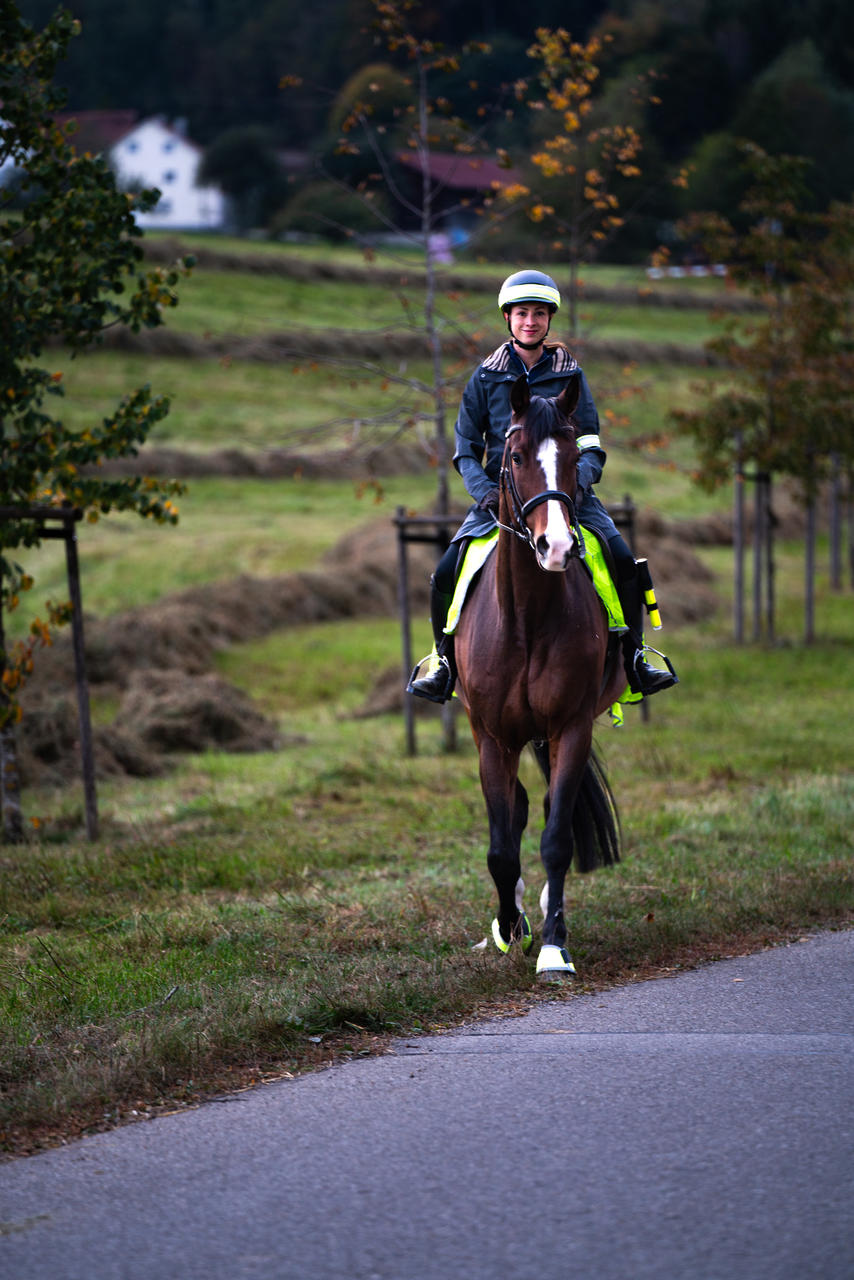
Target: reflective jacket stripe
[(588, 442)]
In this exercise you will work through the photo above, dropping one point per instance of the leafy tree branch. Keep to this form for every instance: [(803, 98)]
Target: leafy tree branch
[(70, 268)]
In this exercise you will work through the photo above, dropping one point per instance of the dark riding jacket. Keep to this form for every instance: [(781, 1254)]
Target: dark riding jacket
[(485, 416)]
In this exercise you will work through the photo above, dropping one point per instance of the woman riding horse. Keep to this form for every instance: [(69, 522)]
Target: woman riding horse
[(536, 665), (528, 301)]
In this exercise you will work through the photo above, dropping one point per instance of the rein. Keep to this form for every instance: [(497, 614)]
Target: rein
[(519, 509)]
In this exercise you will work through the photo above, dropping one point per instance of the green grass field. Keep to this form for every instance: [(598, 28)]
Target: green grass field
[(246, 916), (248, 305)]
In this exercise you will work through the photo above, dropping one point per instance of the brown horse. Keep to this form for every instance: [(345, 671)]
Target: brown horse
[(535, 666)]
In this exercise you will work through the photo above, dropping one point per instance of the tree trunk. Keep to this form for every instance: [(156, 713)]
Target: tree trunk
[(758, 558), (738, 547), (770, 583), (764, 596), (573, 288), (809, 572), (449, 722), (433, 337)]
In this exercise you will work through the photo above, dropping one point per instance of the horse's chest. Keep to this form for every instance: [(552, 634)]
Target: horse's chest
[(555, 663)]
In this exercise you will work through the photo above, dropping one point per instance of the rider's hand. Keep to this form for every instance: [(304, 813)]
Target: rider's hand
[(489, 502)]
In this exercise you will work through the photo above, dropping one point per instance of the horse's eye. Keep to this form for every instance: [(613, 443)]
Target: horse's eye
[(515, 458)]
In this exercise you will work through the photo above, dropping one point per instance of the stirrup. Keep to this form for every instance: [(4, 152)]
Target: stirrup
[(438, 685), (666, 679)]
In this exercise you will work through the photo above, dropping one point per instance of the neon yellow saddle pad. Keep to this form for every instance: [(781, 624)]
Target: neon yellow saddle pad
[(479, 550)]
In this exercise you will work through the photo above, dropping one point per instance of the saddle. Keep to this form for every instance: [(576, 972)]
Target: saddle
[(597, 562)]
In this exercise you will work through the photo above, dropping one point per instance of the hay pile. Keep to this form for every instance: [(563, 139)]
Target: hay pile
[(156, 663), (684, 588), (171, 713), (48, 743), (364, 462), (360, 344)]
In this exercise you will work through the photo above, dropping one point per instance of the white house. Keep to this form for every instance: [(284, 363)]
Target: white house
[(153, 154)]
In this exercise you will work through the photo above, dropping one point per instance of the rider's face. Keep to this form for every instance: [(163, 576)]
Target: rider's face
[(529, 321)]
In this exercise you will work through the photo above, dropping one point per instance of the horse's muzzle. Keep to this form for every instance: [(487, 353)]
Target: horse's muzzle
[(554, 551)]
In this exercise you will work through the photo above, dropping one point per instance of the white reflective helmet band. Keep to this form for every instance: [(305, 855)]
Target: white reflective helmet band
[(528, 293)]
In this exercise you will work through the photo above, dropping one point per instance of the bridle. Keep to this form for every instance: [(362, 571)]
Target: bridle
[(519, 509)]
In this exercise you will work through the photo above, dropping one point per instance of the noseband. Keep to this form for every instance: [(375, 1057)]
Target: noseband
[(519, 509)]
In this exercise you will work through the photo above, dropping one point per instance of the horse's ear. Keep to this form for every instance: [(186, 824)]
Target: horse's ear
[(568, 398), (520, 396)]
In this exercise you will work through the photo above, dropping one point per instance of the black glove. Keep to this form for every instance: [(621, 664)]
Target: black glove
[(489, 502)]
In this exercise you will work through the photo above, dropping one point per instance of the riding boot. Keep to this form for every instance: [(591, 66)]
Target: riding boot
[(643, 678), (438, 684)]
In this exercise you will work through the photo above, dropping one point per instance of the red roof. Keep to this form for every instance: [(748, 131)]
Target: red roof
[(461, 171), (99, 130)]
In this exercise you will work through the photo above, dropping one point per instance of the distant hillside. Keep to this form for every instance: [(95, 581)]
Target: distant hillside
[(781, 76)]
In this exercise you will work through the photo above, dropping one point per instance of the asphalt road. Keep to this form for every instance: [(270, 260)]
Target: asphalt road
[(699, 1126)]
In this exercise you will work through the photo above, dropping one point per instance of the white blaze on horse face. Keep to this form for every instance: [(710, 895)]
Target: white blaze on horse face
[(559, 537)]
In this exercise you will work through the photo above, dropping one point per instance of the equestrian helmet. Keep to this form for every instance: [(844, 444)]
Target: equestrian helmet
[(529, 286)]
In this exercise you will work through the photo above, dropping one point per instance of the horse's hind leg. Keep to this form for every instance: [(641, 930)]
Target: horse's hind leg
[(507, 810), (541, 755)]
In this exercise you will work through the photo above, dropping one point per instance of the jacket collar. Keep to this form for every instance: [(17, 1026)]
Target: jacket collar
[(502, 361)]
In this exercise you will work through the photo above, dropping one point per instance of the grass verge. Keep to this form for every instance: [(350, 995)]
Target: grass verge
[(263, 915), (256, 916)]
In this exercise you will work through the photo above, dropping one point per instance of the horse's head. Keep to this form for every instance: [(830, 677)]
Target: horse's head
[(538, 476)]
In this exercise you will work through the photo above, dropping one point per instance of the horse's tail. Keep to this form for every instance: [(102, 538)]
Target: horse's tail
[(595, 820), (596, 831)]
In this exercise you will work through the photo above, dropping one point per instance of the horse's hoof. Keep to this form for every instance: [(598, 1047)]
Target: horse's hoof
[(554, 962), (522, 933)]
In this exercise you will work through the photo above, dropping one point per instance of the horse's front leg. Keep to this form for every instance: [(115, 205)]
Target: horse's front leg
[(568, 759), (507, 811)]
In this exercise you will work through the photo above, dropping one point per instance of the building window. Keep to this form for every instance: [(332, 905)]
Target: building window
[(170, 175)]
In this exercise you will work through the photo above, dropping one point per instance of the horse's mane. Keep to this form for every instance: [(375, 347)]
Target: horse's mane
[(544, 420)]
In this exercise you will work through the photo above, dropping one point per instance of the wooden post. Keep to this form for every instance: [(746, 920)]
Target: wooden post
[(433, 530), (770, 584), (449, 725), (10, 781), (835, 529), (738, 545), (405, 629), (764, 600), (65, 518), (87, 754)]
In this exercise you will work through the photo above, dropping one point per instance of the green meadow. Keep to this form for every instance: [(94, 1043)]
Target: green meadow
[(249, 916)]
